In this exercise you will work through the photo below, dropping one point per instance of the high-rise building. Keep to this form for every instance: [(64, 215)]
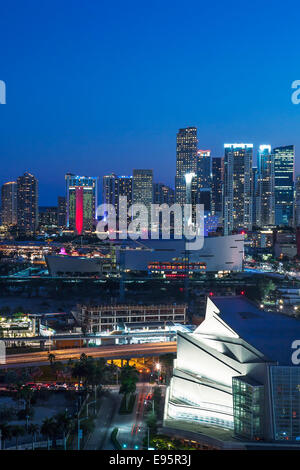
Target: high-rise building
[(297, 202), (284, 159), (204, 169), (217, 185), (27, 203), (110, 190), (125, 188), (237, 196), (163, 194), (61, 211), (9, 203), (142, 188), (115, 186), (81, 202), (254, 189), (186, 163), (265, 201)]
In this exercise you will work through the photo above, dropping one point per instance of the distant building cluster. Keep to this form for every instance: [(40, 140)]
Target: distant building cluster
[(236, 195)]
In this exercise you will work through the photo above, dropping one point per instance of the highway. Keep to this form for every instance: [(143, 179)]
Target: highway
[(110, 352)]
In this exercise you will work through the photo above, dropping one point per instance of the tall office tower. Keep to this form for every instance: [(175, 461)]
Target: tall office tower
[(9, 203), (284, 159), (163, 194), (81, 202), (186, 163), (254, 189), (61, 211), (142, 188), (27, 203), (125, 189), (111, 190), (217, 185), (203, 169), (265, 200), (237, 196), (115, 186), (297, 202)]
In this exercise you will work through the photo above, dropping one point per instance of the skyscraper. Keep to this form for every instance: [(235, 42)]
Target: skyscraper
[(110, 190), (217, 185), (61, 211), (186, 162), (237, 198), (81, 202), (204, 168), (142, 187), (297, 202), (115, 186), (254, 190), (284, 158), (9, 203), (265, 201), (27, 203)]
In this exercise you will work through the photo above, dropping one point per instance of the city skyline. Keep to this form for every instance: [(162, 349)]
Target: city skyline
[(46, 199)]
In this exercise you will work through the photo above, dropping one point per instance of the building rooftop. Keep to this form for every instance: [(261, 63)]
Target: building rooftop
[(271, 333)]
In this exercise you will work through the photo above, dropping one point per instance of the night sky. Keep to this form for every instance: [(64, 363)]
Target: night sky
[(97, 86)]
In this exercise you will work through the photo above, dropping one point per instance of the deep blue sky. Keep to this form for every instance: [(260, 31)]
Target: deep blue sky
[(98, 86)]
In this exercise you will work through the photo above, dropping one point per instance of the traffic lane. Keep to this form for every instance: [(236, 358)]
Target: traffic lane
[(104, 351)]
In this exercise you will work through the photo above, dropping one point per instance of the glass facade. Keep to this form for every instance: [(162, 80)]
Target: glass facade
[(285, 385), (248, 405), (284, 184), (237, 200)]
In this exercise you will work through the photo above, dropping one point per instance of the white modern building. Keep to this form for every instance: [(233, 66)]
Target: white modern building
[(235, 372), (218, 253)]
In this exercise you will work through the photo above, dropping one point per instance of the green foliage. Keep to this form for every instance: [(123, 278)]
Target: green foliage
[(114, 439), (127, 405)]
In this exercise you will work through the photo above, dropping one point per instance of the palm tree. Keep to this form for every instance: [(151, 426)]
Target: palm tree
[(51, 358), (129, 378), (63, 422), (33, 429), (47, 429), (18, 431), (6, 433)]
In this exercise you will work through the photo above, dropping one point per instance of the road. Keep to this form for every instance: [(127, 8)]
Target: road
[(103, 423), (109, 352)]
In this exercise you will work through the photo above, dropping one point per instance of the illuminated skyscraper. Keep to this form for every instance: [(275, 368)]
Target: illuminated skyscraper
[(81, 202), (297, 202), (115, 186), (9, 203), (217, 185), (61, 211), (111, 190), (204, 169), (27, 203), (142, 188), (237, 197), (284, 160), (186, 162), (265, 200)]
